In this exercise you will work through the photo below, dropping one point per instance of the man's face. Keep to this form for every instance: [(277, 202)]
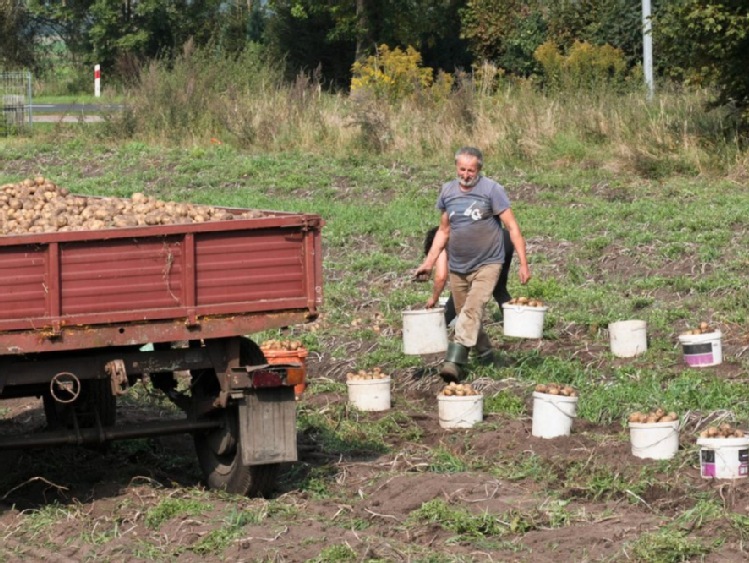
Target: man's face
[(467, 168)]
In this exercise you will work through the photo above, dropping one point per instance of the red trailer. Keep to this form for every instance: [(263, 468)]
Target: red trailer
[(84, 315)]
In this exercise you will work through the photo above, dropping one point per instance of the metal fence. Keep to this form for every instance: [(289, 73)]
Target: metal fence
[(15, 102)]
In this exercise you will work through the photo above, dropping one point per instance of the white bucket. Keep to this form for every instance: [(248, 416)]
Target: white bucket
[(456, 411), (628, 338), (424, 331), (523, 321), (552, 415), (724, 458), (654, 440), (369, 394), (702, 350)]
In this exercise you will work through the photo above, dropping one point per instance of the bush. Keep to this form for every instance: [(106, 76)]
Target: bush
[(395, 74), (586, 67)]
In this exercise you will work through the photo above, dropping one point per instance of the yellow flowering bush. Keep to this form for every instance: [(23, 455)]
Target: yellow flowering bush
[(395, 74)]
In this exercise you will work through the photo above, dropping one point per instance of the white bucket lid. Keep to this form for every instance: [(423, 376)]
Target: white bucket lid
[(699, 338)]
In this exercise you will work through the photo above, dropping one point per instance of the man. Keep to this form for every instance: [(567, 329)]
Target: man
[(501, 294), (472, 207)]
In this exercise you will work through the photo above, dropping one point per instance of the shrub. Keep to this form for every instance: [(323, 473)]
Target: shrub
[(585, 67), (396, 74)]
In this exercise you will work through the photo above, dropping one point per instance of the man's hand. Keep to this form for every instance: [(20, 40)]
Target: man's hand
[(525, 274), (423, 272)]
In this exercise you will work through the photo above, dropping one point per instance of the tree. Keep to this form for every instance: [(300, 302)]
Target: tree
[(708, 42), (336, 33), (106, 31), (16, 35)]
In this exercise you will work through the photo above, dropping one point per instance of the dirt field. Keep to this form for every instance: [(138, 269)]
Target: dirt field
[(518, 497)]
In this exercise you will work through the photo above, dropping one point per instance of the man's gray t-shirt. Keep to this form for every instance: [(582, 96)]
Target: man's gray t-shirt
[(475, 232)]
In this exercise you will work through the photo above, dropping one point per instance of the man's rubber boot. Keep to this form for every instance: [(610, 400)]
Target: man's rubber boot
[(455, 357)]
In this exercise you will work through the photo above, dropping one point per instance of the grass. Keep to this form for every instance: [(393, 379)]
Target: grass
[(618, 226)]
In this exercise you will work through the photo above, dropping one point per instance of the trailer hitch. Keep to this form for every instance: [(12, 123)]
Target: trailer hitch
[(117, 376)]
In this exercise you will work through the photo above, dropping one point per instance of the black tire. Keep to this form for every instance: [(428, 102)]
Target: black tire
[(219, 451), (220, 456)]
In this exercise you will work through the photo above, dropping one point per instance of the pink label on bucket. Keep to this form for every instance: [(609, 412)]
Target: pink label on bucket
[(699, 359)]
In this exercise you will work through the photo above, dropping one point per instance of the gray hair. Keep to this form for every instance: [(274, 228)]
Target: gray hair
[(471, 151)]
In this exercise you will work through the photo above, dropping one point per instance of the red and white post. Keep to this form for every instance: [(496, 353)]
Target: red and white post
[(97, 81)]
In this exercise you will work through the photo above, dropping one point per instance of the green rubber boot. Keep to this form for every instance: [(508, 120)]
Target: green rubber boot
[(455, 358)]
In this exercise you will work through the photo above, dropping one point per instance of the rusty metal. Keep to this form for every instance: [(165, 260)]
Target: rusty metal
[(117, 376), (65, 387), (54, 281)]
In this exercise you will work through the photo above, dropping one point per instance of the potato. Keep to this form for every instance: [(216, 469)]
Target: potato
[(25, 207), (657, 415)]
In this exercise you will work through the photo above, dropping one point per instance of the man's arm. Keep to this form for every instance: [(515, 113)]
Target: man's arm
[(440, 241), (440, 279), (508, 218)]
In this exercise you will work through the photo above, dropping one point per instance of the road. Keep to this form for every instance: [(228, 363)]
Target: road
[(71, 113)]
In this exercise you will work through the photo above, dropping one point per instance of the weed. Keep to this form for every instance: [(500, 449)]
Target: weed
[(170, 507), (445, 461), (458, 520), (218, 539), (340, 552), (669, 546), (504, 402)]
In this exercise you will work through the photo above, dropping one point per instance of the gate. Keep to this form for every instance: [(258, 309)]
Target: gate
[(15, 102)]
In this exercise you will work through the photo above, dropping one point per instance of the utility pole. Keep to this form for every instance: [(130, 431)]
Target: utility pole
[(647, 48)]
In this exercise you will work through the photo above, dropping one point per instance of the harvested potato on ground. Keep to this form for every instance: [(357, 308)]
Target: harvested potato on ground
[(40, 206), (363, 375), (556, 389), (459, 390)]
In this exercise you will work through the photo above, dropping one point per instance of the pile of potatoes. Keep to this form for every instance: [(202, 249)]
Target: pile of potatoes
[(704, 328), (526, 302), (362, 375), (556, 389), (459, 390), (272, 345), (39, 206), (725, 430), (658, 415)]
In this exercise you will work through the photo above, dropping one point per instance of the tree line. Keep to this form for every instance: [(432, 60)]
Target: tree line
[(695, 41)]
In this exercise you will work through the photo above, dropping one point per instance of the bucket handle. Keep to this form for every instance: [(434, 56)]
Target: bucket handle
[(666, 437), (556, 406)]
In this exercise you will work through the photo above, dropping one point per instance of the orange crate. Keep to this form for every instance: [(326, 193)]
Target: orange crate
[(290, 356)]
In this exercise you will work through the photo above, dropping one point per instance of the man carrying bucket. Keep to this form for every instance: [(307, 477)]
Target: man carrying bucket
[(472, 207)]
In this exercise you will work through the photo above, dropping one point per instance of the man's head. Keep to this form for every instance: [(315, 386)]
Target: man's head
[(468, 164)]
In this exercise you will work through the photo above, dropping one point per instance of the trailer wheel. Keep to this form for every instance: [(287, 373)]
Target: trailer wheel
[(220, 459), (219, 451)]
